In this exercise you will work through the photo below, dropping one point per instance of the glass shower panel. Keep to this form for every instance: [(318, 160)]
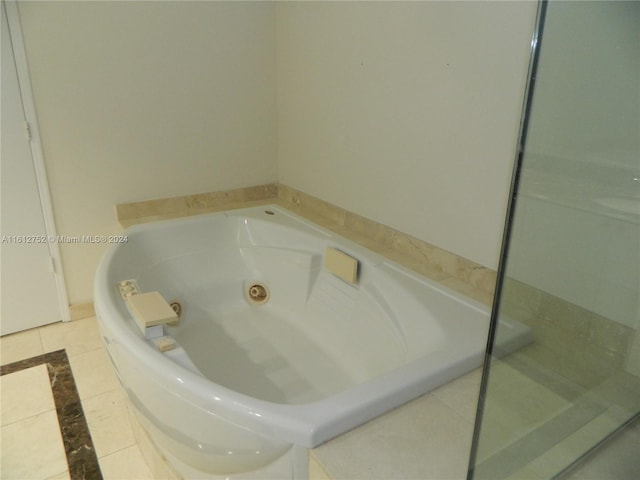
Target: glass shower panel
[(571, 268)]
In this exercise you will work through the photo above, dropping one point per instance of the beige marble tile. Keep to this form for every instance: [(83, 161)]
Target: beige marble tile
[(93, 373), (127, 222), (572, 341), (318, 219), (463, 287), (462, 394), (370, 229), (288, 195), (616, 459), (423, 268), (609, 335), (125, 464), (61, 476), (316, 471), (424, 439), (151, 207), (32, 448), (494, 439), (164, 208), (108, 422), (477, 276), (325, 209), (209, 199), (515, 406), (526, 473), (519, 300), (156, 462), (24, 394), (425, 252), (359, 238), (471, 273), (227, 197), (20, 346), (306, 205), (562, 454), (77, 337)]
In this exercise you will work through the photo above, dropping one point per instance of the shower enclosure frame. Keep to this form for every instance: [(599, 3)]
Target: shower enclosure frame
[(536, 43)]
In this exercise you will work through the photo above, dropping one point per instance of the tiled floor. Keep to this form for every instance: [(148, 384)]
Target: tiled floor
[(30, 427), (32, 445), (616, 459)]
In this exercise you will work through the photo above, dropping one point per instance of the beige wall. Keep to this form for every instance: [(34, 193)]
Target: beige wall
[(140, 100), (406, 112)]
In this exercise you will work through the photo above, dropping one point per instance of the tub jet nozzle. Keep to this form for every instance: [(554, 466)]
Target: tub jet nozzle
[(258, 293)]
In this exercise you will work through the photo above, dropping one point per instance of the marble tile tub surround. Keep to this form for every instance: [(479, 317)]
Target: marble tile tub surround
[(430, 260), (159, 209), (456, 272), (571, 341), (581, 343)]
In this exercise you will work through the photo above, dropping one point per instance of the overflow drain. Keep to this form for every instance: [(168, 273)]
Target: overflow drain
[(258, 293)]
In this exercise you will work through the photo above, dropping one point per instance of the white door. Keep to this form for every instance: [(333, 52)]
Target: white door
[(28, 289)]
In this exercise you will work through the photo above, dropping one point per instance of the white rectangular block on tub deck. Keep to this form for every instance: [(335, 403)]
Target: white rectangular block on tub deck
[(150, 309)]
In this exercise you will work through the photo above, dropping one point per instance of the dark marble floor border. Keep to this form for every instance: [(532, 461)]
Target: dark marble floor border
[(78, 446)]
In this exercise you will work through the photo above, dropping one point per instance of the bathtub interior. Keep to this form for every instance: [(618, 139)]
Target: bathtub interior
[(316, 335)]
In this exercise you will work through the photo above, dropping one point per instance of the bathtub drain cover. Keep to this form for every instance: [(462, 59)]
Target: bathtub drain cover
[(257, 293)]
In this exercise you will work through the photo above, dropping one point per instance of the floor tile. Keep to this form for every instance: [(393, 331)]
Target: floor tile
[(76, 337), (562, 454), (126, 464), (32, 448), (81, 459), (616, 459), (108, 422), (19, 346), (443, 435), (316, 472), (61, 476), (517, 402), (462, 394), (93, 373), (24, 394)]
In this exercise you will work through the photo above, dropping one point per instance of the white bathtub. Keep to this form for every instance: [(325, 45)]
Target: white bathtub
[(321, 356)]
